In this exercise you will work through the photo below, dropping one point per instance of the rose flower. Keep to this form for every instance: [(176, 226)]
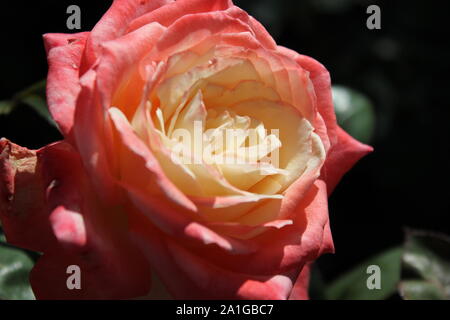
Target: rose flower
[(131, 198)]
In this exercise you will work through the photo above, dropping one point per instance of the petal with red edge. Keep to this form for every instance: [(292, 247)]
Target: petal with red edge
[(114, 24), (342, 157), (320, 77), (166, 15), (300, 290)]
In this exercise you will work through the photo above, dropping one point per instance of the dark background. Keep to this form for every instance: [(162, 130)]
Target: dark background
[(402, 68)]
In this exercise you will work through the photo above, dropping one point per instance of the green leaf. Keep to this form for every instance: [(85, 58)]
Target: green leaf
[(420, 290), (354, 112), (353, 284), (39, 105), (2, 235), (33, 96), (6, 107), (425, 267), (15, 266), (35, 88)]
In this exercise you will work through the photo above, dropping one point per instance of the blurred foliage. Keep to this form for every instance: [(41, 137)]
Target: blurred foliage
[(417, 270), (354, 112), (15, 266), (353, 284), (2, 235), (6, 107), (38, 104), (426, 267), (33, 97)]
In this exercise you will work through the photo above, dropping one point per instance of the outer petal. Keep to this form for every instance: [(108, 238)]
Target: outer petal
[(343, 151), (68, 224), (114, 24), (278, 251), (202, 274), (342, 157), (114, 79), (166, 15), (189, 276), (300, 290), (93, 138), (120, 82), (23, 209), (309, 237), (320, 77), (191, 30), (64, 52)]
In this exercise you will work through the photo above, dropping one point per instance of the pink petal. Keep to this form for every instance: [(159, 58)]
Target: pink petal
[(114, 78), (261, 34), (300, 290), (342, 157), (93, 138), (23, 209), (166, 15), (288, 248), (344, 151), (114, 24), (64, 52), (119, 75), (190, 30), (51, 207), (320, 77), (241, 231), (189, 276)]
